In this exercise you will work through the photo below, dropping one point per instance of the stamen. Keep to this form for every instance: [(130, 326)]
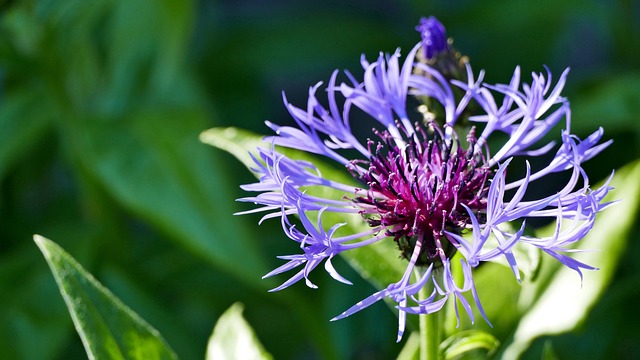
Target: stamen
[(418, 195)]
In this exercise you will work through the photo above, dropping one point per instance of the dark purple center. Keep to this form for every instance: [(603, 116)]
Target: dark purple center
[(416, 191)]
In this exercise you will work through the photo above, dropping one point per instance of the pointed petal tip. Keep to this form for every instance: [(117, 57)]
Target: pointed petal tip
[(399, 337)]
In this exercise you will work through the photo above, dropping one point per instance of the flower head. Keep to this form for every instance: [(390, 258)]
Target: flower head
[(432, 186)]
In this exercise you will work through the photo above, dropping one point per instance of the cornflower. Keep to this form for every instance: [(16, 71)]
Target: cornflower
[(431, 185)]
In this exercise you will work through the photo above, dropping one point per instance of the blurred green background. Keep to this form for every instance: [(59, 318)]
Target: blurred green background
[(101, 104)]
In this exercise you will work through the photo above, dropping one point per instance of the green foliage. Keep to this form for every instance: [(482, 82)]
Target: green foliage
[(104, 114), (101, 105), (107, 327)]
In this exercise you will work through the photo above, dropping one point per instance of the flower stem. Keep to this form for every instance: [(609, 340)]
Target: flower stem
[(431, 336), (430, 332)]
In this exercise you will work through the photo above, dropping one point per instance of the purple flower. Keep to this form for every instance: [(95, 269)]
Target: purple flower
[(428, 185), (434, 37)]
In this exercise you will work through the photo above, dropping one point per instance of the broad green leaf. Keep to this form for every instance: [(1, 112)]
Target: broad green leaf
[(107, 327), (379, 263), (466, 341), (237, 142), (566, 300), (240, 143), (234, 339)]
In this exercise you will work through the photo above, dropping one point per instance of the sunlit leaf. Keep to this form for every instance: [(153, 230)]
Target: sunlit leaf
[(107, 327), (234, 339), (565, 300)]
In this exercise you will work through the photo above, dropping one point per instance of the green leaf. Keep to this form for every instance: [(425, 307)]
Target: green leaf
[(233, 338), (466, 341), (236, 142), (379, 263), (565, 301), (107, 327), (240, 143)]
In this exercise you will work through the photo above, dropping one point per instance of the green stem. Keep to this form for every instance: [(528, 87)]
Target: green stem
[(424, 341), (430, 330), (432, 326)]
